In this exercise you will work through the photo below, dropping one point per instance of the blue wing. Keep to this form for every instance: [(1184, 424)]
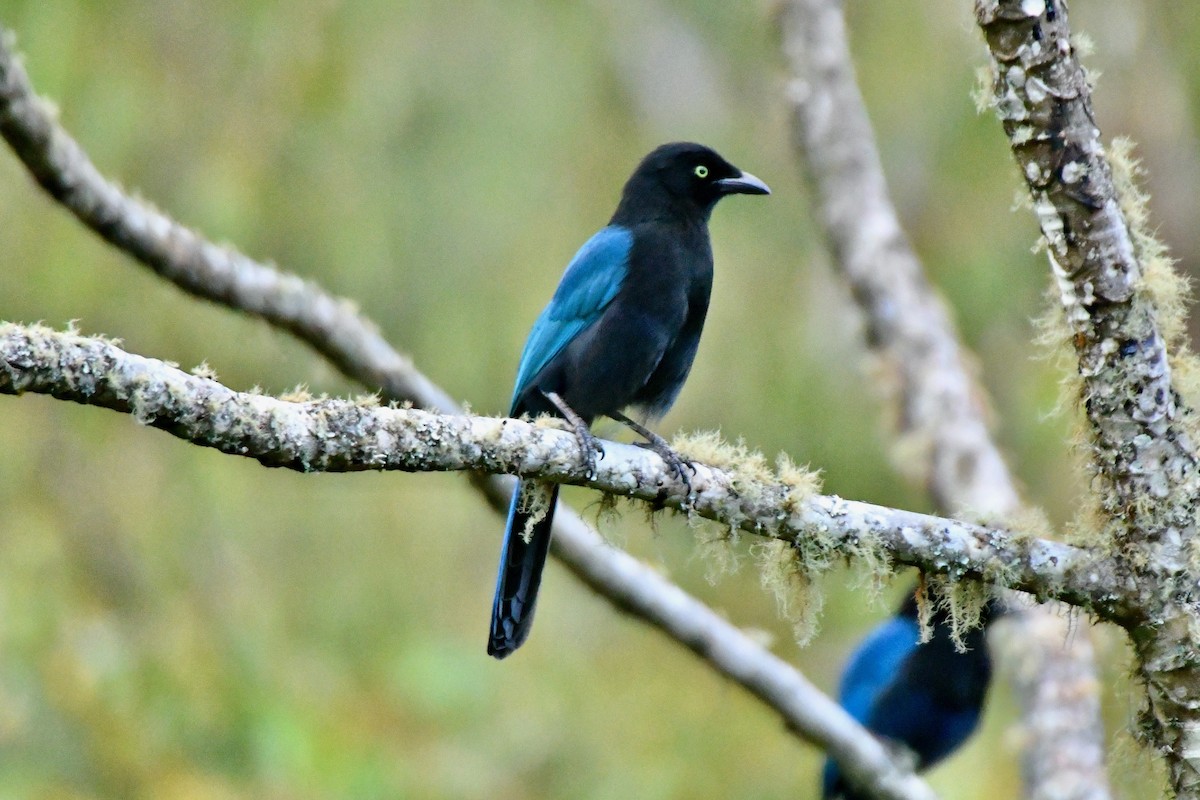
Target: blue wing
[(589, 284), (872, 669), (875, 664)]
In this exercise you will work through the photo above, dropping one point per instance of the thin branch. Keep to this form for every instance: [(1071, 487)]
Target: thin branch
[(333, 327), (1058, 693), (805, 709), (908, 327), (941, 407), (330, 325), (344, 436), (1143, 431)]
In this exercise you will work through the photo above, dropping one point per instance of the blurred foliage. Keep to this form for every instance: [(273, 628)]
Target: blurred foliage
[(176, 623)]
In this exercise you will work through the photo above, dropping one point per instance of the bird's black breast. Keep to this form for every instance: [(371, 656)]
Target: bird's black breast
[(640, 350), (676, 272)]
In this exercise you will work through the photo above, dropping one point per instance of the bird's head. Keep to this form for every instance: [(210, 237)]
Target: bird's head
[(685, 177)]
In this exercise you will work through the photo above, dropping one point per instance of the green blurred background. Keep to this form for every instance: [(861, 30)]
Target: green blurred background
[(178, 623)]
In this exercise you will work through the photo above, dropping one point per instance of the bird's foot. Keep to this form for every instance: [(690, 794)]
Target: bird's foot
[(593, 451), (674, 461), (680, 466), (590, 447)]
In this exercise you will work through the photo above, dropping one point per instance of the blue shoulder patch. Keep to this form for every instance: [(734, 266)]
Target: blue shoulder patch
[(588, 285), (875, 665)]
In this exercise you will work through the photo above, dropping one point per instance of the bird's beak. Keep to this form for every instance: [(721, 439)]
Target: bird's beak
[(743, 184)]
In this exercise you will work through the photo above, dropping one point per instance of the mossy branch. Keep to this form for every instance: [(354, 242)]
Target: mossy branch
[(1121, 304), (1142, 427), (344, 436), (943, 438), (331, 325)]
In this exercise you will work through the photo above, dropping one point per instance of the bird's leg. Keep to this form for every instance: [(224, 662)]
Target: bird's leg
[(677, 463), (589, 444)]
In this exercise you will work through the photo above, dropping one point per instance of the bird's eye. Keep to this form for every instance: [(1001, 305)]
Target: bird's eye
[(701, 171)]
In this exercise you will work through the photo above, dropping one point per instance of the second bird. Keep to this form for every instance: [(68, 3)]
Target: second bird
[(925, 697), (621, 330)]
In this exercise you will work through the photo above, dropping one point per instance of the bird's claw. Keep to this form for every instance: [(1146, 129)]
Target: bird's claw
[(591, 451), (590, 448), (676, 464)]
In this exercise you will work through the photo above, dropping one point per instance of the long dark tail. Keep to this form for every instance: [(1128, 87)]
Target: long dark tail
[(521, 563)]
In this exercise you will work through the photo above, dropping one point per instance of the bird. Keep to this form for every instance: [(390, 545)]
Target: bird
[(926, 697), (620, 331)]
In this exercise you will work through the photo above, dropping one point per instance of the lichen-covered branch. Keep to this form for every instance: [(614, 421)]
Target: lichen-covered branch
[(1143, 449), (908, 327), (944, 436), (343, 436), (1142, 430), (330, 324)]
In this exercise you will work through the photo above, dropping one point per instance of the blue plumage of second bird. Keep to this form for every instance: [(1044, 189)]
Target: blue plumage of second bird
[(876, 663), (927, 697), (621, 330)]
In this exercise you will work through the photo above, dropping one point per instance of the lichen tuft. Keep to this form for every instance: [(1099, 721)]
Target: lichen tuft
[(962, 600), (715, 547), (801, 482), (1083, 45), (746, 465), (982, 94), (534, 501), (203, 370), (870, 565), (299, 394), (788, 575), (1167, 288)]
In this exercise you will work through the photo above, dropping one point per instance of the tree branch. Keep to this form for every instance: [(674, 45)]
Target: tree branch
[(940, 404), (1051, 665), (908, 327), (330, 325), (1143, 431), (805, 709), (344, 436)]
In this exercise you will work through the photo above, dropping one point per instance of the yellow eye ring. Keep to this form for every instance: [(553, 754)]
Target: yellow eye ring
[(701, 171)]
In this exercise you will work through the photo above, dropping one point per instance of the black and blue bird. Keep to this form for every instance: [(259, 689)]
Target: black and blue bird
[(620, 331), (927, 697)]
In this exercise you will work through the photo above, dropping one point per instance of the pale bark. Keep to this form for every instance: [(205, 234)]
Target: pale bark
[(1142, 430), (940, 406)]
